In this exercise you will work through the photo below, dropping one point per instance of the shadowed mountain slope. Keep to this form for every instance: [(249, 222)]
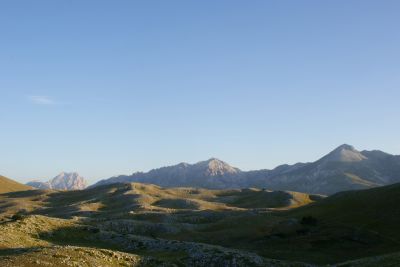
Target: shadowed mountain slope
[(213, 174), (345, 168)]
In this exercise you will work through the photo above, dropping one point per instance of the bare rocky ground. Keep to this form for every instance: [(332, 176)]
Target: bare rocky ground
[(72, 256), (34, 241)]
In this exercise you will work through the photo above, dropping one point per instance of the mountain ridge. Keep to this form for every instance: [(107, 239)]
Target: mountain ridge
[(344, 153), (344, 168)]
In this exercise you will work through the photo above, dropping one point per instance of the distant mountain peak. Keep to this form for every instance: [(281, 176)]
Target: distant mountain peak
[(344, 168), (346, 147), (214, 167), (63, 181), (63, 174), (68, 181), (215, 161), (344, 153)]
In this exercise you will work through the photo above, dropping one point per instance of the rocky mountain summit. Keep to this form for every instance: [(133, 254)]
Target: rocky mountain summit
[(63, 181), (345, 168), (344, 153), (212, 173)]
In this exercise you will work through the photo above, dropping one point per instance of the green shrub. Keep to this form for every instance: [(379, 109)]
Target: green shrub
[(17, 217)]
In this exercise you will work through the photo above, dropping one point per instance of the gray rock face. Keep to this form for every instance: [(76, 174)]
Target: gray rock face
[(63, 181), (344, 153), (212, 173), (39, 184), (345, 168)]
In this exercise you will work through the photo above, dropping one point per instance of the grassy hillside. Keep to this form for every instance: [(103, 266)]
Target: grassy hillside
[(345, 226), (120, 200), (186, 225), (26, 242), (375, 209), (8, 185), (44, 241)]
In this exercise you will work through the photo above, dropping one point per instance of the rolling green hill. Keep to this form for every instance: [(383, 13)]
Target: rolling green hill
[(375, 209)]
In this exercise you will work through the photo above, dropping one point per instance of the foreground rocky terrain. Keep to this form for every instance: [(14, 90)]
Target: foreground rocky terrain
[(136, 224), (78, 236)]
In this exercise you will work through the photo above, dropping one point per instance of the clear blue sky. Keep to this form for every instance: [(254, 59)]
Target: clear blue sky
[(113, 87)]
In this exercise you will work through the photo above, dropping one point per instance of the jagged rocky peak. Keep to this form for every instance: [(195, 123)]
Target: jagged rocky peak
[(215, 166), (68, 181), (63, 181), (345, 153)]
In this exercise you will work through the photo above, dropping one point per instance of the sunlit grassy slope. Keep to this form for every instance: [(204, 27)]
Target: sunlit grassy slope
[(120, 199), (8, 185), (185, 226)]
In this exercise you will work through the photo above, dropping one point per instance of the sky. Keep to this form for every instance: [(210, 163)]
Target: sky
[(113, 87)]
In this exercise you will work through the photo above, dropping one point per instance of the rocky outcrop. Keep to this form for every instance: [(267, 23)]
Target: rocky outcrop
[(212, 173), (63, 181)]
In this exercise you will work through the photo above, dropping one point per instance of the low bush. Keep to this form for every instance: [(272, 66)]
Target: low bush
[(17, 217)]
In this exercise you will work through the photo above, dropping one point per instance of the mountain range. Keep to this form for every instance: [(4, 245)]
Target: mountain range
[(126, 223), (345, 168), (63, 181)]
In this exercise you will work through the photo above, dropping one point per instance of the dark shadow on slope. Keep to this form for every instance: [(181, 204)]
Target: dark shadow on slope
[(25, 194), (79, 235), (261, 199), (102, 200), (18, 251), (67, 204)]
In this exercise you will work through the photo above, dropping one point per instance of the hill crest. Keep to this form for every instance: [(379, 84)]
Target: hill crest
[(7, 185)]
